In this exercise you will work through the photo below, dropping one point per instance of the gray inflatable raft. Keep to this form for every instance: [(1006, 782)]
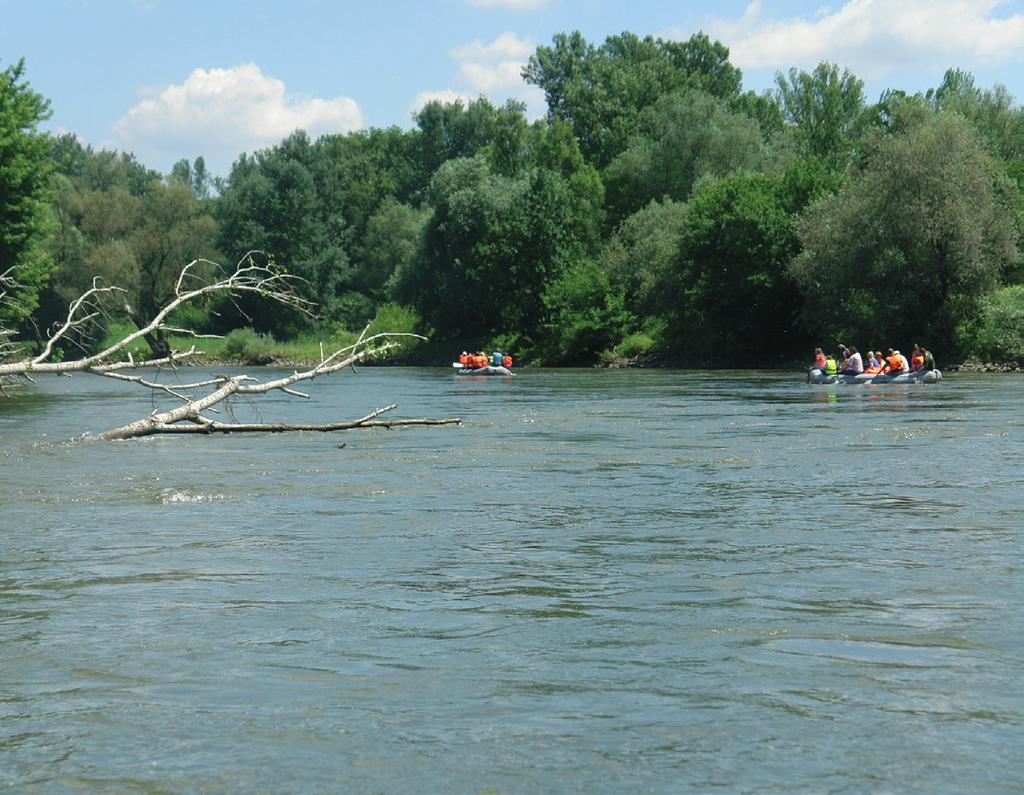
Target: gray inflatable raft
[(816, 376)]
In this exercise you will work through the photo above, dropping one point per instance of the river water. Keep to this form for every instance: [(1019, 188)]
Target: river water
[(603, 581)]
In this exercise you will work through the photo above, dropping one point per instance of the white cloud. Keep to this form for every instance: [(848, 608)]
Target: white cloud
[(488, 78), (875, 37), (496, 66), (493, 69), (508, 45), (220, 113), (516, 5), (446, 96)]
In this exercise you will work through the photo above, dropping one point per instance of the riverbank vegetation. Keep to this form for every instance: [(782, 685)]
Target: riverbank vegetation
[(659, 212)]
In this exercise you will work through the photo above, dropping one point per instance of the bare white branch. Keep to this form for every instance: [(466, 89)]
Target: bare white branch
[(188, 417), (248, 277)]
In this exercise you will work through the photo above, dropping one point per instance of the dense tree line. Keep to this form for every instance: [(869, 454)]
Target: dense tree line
[(658, 210)]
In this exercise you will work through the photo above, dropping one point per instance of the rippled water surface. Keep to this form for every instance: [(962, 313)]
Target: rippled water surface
[(604, 581)]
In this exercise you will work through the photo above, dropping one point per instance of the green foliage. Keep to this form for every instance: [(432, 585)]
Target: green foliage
[(992, 113), (762, 108), (393, 238), (272, 202), (826, 108), (24, 194), (453, 130), (248, 347), (735, 301), (398, 319), (100, 171), (323, 211), (171, 231), (641, 254), (355, 172), (353, 309), (490, 247), (114, 333), (601, 91), (554, 149), (586, 315), (897, 112), (115, 221), (908, 246), (194, 175), (681, 138), (639, 343), (996, 333), (658, 209)]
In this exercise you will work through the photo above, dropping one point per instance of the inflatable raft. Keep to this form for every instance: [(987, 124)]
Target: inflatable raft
[(488, 370), (816, 376)]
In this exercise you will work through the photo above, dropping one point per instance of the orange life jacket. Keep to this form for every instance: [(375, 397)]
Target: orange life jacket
[(479, 361), (506, 361), (917, 362), (893, 364), (463, 359), (869, 370)]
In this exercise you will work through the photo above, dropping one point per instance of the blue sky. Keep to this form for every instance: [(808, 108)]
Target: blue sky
[(172, 79)]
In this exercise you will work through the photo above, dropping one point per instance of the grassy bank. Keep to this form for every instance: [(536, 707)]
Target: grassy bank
[(245, 346)]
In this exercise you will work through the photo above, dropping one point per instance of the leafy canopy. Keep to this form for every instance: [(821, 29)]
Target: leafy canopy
[(908, 245), (24, 192)]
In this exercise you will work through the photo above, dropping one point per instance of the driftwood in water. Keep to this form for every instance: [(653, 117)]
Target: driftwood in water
[(248, 277), (189, 417), (213, 426)]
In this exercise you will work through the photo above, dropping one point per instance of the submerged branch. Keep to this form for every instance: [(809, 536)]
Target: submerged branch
[(281, 427), (203, 425)]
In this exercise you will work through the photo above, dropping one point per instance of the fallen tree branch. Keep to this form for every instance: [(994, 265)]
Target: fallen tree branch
[(248, 277), (281, 427), (189, 416)]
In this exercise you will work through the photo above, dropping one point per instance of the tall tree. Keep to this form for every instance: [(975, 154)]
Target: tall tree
[(906, 248), (276, 201), (825, 106), (736, 303), (641, 254), (394, 236), (992, 112), (490, 247), (25, 168), (194, 175), (448, 130), (682, 138), (173, 230), (601, 91)]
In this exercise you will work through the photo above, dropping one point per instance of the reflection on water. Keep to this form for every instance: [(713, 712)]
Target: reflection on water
[(603, 581)]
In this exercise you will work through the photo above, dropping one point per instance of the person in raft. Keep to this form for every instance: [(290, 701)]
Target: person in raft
[(853, 362), (929, 360), (474, 361), (895, 363), (825, 363), (921, 359), (873, 366)]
